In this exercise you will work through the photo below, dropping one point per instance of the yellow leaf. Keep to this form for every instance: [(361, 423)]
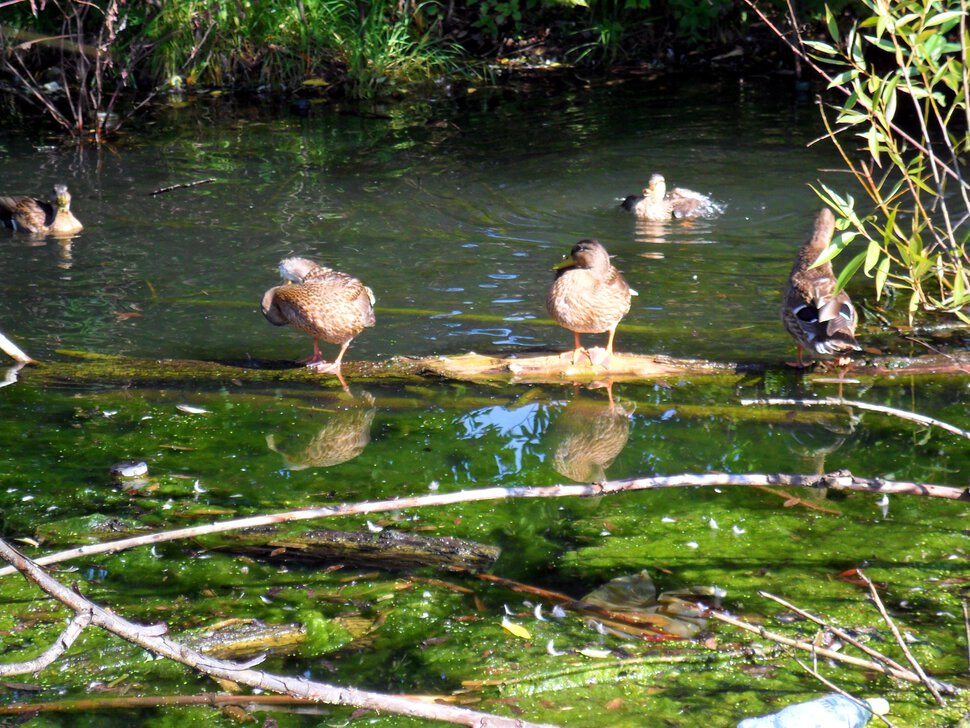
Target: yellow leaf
[(517, 629)]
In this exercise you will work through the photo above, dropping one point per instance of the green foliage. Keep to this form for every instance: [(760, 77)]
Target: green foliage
[(902, 70)]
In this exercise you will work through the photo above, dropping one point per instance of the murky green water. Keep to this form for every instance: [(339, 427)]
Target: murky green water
[(461, 209)]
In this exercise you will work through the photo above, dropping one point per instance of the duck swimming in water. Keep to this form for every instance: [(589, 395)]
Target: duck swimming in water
[(39, 217), (589, 296), (324, 303), (821, 320), (657, 203)]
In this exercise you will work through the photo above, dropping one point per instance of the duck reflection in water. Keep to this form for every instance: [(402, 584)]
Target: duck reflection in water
[(588, 436), (342, 436)]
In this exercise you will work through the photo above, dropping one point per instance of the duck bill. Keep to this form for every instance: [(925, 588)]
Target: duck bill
[(565, 263)]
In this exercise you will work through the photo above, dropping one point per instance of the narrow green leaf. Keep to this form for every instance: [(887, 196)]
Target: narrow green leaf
[(872, 256), (882, 273), (881, 43), (944, 17), (838, 244), (913, 302), (832, 24), (821, 47), (850, 268)]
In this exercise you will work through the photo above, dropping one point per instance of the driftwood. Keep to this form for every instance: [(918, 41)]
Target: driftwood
[(81, 367), (387, 549), (153, 639)]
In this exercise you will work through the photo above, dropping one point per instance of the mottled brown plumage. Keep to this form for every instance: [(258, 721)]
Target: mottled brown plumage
[(39, 217), (322, 302), (589, 296), (658, 203), (820, 320)]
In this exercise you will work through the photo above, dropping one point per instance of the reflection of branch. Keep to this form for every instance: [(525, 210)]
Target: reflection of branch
[(839, 480), (839, 402), (153, 640)]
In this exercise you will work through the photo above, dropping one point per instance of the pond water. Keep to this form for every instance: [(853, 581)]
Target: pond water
[(454, 213)]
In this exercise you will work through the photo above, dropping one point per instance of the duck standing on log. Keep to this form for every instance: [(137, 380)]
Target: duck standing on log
[(39, 217), (821, 320), (657, 203), (589, 296), (324, 303)]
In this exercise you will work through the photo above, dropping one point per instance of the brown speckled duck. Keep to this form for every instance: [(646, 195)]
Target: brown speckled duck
[(658, 203), (323, 302), (30, 215), (589, 296), (820, 320)]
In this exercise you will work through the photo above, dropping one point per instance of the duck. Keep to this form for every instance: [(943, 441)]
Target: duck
[(820, 319), (325, 303), (659, 204), (589, 296), (39, 217)]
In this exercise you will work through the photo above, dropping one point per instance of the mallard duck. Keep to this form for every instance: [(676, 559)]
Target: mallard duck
[(820, 320), (31, 215), (323, 302), (589, 296), (659, 204)]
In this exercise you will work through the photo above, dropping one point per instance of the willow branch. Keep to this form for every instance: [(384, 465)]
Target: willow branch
[(60, 646), (907, 675), (152, 638), (839, 402), (899, 639), (839, 480)]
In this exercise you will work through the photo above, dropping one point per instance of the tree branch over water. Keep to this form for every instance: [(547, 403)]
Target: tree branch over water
[(153, 639), (839, 480)]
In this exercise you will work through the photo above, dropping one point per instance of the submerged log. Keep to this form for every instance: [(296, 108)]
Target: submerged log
[(76, 367), (386, 549)]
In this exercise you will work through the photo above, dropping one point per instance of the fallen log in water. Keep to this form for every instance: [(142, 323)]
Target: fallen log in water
[(385, 549), (84, 367)]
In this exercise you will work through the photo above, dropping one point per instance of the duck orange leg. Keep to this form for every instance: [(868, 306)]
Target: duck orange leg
[(603, 356), (798, 363), (574, 354)]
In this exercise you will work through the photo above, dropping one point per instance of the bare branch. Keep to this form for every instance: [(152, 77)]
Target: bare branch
[(181, 185), (840, 480), (839, 402), (147, 638), (930, 684), (60, 646), (13, 351), (841, 634), (907, 675), (832, 686)]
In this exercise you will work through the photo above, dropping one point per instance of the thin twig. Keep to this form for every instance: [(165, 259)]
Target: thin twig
[(839, 402), (907, 675), (13, 351), (153, 639), (900, 641), (60, 646), (832, 686), (840, 480), (966, 629), (841, 634), (198, 182)]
